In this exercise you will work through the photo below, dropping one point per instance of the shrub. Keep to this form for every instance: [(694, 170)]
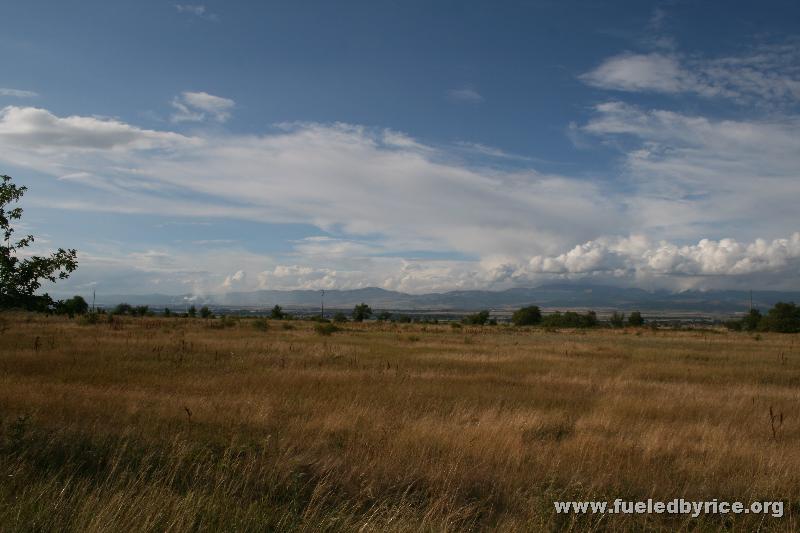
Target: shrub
[(383, 316), (167, 312), (205, 312), (752, 320), (122, 309), (570, 319), (783, 317), (74, 306), (477, 319), (277, 313), (733, 325), (141, 310), (361, 312), (636, 319), (340, 317), (90, 318), (261, 324), (527, 316), (617, 319), (325, 329), (192, 311)]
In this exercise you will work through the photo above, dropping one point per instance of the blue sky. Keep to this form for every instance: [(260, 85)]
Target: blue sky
[(417, 146)]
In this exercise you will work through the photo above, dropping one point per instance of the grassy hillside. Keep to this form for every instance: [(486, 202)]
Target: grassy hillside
[(157, 424)]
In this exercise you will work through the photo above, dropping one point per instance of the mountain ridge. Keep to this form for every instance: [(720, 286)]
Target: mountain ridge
[(548, 296)]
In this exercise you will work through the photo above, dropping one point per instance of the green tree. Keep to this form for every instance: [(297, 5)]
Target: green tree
[(636, 319), (752, 320), (277, 313), (205, 312), (477, 319), (192, 311), (783, 317), (384, 315), (340, 317), (527, 316), (167, 312), (122, 309), (617, 319), (361, 312), (74, 306), (21, 278), (570, 319)]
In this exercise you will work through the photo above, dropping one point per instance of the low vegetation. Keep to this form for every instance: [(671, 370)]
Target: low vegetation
[(782, 318), (150, 424)]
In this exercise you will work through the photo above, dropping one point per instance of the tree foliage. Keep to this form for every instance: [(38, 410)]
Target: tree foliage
[(617, 319), (570, 319), (751, 320), (74, 306), (636, 320), (361, 312), (527, 316), (784, 317), (477, 319), (122, 309), (20, 279)]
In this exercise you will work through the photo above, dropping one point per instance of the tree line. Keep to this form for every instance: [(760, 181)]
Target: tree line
[(784, 317)]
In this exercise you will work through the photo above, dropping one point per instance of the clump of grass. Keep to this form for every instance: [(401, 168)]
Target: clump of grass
[(260, 324), (323, 328), (555, 431), (90, 319), (287, 326)]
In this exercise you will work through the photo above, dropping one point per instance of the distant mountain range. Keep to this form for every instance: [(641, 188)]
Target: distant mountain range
[(551, 296)]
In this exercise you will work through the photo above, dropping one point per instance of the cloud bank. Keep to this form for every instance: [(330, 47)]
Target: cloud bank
[(695, 201)]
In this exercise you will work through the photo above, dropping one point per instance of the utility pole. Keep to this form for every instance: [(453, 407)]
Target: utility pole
[(751, 300), (322, 305), (94, 295)]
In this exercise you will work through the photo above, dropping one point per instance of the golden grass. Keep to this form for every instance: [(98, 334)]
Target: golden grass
[(174, 425)]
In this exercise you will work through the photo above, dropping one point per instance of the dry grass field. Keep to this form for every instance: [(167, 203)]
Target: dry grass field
[(156, 424)]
